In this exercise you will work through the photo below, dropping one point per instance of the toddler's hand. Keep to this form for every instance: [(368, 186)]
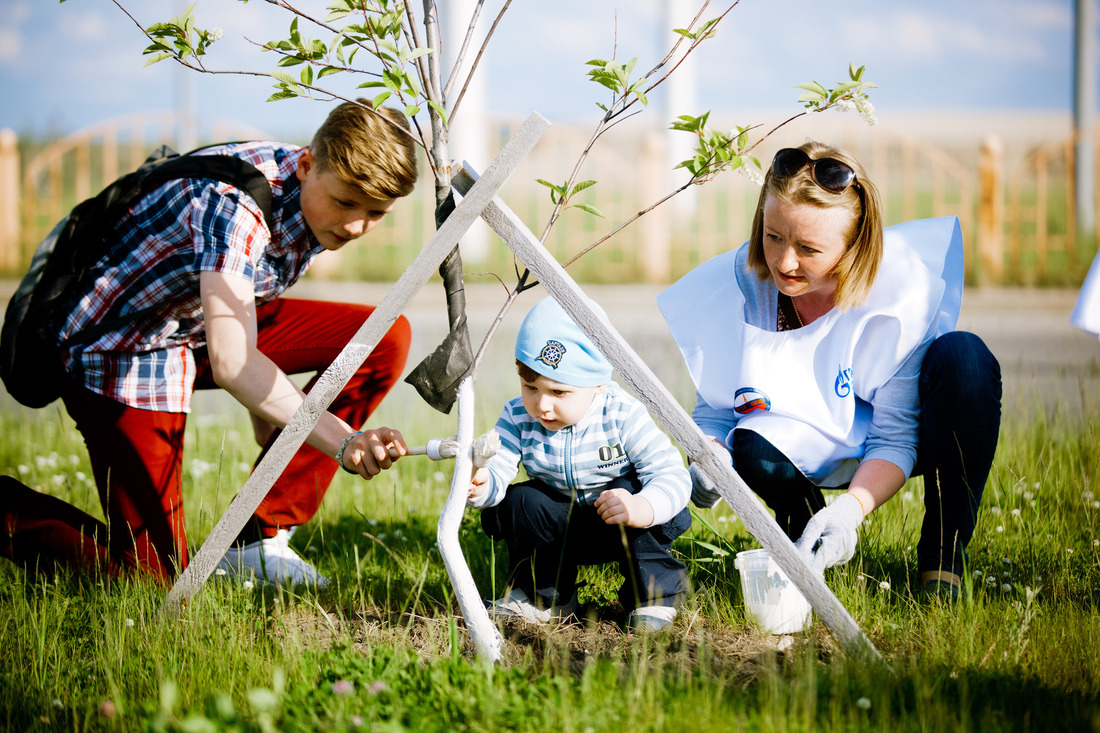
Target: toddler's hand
[(478, 484), (619, 506)]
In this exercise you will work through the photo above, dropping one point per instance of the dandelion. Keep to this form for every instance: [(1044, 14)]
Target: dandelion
[(372, 522), (129, 622), (58, 480), (995, 509), (74, 460), (377, 687), (1096, 543), (57, 703), (1096, 505), (990, 580), (1006, 587), (976, 574), (219, 571), (81, 476), (1015, 512), (41, 462), (23, 469), (1086, 495), (342, 687), (1028, 496), (247, 585), (357, 720), (954, 674), (863, 703), (1006, 574), (884, 585), (1006, 560), (1035, 485), (1000, 528)]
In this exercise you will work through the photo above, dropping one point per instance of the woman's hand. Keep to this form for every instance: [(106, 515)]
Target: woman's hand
[(619, 506), (830, 535), (370, 452)]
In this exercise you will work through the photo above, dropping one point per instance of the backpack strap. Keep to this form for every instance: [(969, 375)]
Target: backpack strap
[(225, 168)]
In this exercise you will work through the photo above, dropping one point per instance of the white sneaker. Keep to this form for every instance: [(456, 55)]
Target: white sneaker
[(648, 619), (516, 605), (272, 560)]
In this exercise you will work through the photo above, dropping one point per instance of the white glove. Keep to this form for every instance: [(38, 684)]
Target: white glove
[(830, 535), (703, 493)]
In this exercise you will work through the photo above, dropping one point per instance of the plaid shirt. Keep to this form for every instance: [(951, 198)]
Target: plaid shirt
[(176, 232)]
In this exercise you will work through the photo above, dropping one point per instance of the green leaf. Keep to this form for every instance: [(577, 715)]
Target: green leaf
[(811, 97), (715, 550), (439, 110), (411, 110), (281, 94), (582, 186), (380, 99), (328, 70), (596, 62), (290, 61), (307, 75), (589, 210), (813, 86), (158, 57)]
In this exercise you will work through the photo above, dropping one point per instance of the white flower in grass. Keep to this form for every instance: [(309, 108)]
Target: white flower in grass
[(1006, 587), (372, 522), (723, 519), (907, 496), (1028, 496), (1096, 543), (23, 469), (41, 462), (1006, 574), (1006, 560), (954, 674), (247, 585), (1086, 495), (1035, 485), (439, 476), (1000, 528), (990, 580), (129, 622), (1015, 512), (1096, 505), (80, 476), (58, 480), (57, 703), (1069, 550), (219, 571), (863, 703), (884, 585), (995, 509), (976, 574)]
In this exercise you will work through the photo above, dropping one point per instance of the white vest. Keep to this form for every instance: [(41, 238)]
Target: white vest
[(809, 391), (1086, 313)]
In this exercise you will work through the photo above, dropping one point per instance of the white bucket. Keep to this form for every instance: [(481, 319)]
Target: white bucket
[(771, 599)]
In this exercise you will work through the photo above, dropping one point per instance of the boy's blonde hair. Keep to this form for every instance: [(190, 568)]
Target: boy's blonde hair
[(370, 150), (855, 271)]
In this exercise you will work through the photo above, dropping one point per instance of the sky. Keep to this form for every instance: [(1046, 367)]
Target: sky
[(67, 65)]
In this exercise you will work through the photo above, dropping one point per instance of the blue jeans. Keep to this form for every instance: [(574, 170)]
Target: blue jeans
[(960, 396), (549, 535)]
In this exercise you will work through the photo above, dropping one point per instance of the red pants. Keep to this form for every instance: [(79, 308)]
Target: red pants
[(136, 455)]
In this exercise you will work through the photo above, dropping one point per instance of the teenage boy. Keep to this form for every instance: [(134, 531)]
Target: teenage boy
[(201, 250), (604, 483)]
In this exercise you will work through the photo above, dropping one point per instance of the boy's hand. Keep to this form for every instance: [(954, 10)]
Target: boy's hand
[(478, 484), (373, 451), (619, 506)]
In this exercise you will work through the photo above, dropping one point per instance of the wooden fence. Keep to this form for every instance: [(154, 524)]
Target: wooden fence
[(1022, 232)]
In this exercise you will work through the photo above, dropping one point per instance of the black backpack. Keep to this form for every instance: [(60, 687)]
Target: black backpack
[(30, 356)]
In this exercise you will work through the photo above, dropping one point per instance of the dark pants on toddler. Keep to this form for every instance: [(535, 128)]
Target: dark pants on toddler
[(960, 396), (549, 535)]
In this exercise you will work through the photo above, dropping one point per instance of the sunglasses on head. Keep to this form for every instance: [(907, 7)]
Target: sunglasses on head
[(829, 173)]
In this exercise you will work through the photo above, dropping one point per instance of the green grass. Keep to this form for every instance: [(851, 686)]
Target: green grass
[(383, 649)]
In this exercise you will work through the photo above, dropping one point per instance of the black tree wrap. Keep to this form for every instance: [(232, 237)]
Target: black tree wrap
[(437, 377)]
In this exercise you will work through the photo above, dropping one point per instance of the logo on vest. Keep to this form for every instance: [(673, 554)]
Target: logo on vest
[(551, 353), (843, 385), (747, 399)]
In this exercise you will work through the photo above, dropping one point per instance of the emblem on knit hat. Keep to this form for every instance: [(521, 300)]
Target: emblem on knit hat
[(551, 354)]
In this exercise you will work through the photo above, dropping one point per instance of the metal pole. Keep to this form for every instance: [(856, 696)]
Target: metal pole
[(1084, 115)]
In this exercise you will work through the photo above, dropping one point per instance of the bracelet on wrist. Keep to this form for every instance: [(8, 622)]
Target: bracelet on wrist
[(861, 506), (340, 453)]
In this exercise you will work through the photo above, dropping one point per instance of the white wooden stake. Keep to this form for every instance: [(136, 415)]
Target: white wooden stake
[(350, 358), (668, 412), (484, 635)]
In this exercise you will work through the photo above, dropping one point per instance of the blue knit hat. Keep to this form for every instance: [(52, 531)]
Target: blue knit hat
[(555, 347)]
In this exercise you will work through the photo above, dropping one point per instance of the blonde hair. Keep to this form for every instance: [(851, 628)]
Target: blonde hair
[(855, 271), (370, 150)]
